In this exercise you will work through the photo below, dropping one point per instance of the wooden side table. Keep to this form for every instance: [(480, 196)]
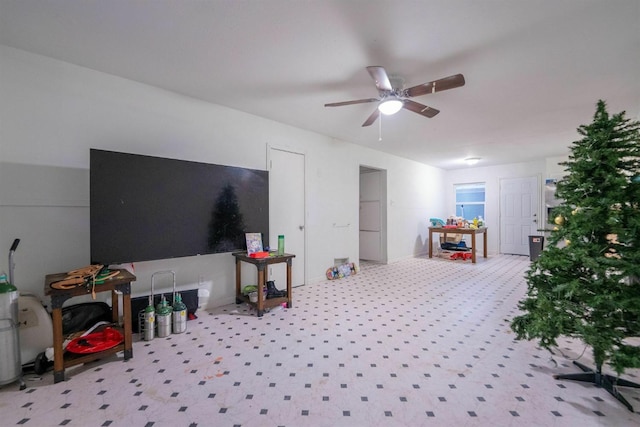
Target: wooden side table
[(120, 283), (470, 231), (261, 264)]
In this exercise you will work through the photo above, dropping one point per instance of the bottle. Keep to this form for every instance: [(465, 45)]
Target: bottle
[(149, 320), (480, 222), (10, 366), (179, 315), (7, 288), (163, 314), (281, 244), (3, 279), (475, 222)]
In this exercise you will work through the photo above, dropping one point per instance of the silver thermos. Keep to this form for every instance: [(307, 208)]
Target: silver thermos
[(179, 315), (149, 327), (163, 316)]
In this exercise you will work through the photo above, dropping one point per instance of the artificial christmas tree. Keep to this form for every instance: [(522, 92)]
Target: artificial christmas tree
[(585, 283)]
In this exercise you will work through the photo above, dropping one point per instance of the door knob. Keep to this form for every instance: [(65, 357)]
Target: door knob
[(301, 227)]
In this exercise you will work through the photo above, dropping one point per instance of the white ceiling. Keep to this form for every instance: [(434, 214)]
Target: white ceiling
[(534, 69)]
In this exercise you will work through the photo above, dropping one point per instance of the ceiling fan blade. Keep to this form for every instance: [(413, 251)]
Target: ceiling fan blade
[(450, 82), (372, 118), (379, 75), (357, 101), (419, 108)]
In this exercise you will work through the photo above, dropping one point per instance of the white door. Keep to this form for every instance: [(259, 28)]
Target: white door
[(519, 208), (287, 213)]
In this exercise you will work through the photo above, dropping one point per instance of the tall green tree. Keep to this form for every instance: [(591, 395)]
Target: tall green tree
[(585, 283)]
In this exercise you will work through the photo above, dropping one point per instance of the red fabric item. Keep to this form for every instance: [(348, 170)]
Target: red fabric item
[(96, 341), (259, 254)]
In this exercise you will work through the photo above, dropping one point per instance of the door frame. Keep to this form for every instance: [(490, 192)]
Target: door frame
[(270, 147), (383, 209)]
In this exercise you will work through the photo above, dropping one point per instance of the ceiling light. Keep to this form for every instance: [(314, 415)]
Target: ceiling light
[(390, 106), (471, 160)]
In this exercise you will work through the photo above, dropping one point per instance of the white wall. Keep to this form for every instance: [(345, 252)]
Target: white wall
[(52, 113), (554, 169), (491, 176)]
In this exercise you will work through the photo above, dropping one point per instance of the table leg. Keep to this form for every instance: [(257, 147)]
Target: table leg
[(238, 273), (126, 322), (58, 356), (115, 311), (430, 244), (289, 296), (473, 248), (261, 285), (484, 237)]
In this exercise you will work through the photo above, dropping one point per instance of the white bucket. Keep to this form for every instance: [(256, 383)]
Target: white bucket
[(36, 328), (253, 297)]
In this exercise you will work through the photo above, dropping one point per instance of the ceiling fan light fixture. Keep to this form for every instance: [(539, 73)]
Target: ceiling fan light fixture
[(390, 106), (471, 160)]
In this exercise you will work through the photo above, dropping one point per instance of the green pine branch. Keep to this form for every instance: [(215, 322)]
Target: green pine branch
[(584, 284)]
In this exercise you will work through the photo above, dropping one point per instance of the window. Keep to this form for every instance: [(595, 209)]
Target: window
[(470, 200)]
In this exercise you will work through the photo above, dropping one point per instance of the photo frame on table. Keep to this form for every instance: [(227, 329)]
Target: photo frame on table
[(254, 243)]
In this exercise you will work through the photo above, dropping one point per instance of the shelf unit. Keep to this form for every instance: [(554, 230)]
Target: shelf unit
[(261, 264), (118, 284)]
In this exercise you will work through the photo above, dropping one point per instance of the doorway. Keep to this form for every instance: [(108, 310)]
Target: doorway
[(373, 214), (287, 212), (519, 213)]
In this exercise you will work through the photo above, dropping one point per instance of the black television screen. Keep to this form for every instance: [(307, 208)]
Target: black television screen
[(148, 208)]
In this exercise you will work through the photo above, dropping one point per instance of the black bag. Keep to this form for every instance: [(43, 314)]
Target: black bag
[(80, 317), (460, 246)]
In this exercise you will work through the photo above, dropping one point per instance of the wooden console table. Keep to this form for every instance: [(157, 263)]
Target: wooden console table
[(120, 283), (261, 264), (472, 232)]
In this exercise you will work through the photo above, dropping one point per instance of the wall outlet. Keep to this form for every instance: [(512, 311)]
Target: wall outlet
[(205, 284)]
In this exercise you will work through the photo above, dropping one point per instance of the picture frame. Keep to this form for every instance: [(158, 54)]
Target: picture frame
[(254, 243)]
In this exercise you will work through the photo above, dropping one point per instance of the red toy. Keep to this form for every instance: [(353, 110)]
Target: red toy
[(461, 255), (262, 254)]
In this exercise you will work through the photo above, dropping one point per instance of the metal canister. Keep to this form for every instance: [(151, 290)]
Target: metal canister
[(149, 320), (163, 316), (10, 366), (179, 315)]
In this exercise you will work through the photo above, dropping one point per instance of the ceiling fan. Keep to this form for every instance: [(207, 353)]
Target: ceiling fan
[(391, 100)]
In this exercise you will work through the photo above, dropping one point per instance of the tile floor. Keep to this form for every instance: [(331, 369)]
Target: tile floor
[(421, 342)]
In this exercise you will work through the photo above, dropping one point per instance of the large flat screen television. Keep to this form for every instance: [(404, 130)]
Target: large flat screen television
[(149, 208)]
